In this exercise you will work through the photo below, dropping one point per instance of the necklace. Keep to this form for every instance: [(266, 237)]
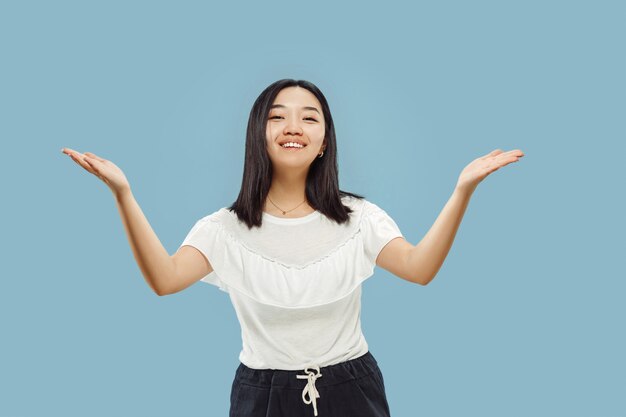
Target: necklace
[(285, 212)]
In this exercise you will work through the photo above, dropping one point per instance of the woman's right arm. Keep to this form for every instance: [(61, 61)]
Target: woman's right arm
[(155, 263), (165, 274)]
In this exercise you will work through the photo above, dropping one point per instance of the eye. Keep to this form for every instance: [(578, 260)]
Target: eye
[(306, 118)]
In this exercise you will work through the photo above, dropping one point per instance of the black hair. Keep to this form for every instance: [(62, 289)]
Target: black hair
[(322, 182)]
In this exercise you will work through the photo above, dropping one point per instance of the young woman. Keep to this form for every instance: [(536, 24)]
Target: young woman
[(292, 252)]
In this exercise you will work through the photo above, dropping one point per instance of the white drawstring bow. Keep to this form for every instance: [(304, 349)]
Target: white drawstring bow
[(310, 387)]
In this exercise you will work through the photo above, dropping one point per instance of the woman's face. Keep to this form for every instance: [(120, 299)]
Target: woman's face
[(295, 116)]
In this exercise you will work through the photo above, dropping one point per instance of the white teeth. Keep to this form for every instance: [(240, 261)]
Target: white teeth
[(292, 145)]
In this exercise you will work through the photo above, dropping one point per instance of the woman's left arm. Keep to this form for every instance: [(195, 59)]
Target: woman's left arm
[(420, 263)]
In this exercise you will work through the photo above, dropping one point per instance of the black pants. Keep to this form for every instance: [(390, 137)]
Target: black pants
[(353, 388)]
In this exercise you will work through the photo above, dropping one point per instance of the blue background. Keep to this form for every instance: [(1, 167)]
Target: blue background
[(526, 316)]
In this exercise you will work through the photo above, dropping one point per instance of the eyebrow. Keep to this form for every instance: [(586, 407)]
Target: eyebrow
[(303, 108)]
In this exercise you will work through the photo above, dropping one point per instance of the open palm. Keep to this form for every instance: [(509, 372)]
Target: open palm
[(106, 170), (479, 168)]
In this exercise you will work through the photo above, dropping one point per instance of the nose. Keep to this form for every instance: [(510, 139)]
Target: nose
[(292, 127)]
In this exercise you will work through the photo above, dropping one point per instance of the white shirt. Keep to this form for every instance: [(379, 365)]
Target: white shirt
[(295, 283)]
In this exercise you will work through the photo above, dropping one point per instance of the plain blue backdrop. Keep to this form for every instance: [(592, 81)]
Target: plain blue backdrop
[(526, 316)]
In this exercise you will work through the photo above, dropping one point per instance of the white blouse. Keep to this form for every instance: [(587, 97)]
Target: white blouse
[(295, 283)]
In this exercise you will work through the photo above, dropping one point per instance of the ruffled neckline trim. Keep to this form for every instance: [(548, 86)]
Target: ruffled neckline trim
[(235, 241), (269, 281)]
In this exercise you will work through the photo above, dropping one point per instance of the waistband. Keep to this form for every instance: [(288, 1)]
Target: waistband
[(355, 368), (314, 376)]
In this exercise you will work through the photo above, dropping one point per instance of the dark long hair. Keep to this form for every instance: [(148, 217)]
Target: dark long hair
[(322, 182)]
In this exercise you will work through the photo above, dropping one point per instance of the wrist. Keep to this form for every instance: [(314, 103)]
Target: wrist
[(465, 192), (122, 194)]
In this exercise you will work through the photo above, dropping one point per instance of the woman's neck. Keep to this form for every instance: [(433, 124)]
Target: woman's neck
[(289, 195)]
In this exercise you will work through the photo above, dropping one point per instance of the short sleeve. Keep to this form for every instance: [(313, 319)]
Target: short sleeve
[(378, 229), (203, 236)]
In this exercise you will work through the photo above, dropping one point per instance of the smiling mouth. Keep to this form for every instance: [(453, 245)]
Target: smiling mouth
[(291, 146)]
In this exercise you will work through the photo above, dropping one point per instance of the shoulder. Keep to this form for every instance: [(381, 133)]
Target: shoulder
[(353, 202), (218, 216), (360, 205)]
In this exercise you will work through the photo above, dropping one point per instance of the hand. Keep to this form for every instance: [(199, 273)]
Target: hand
[(479, 168), (107, 171)]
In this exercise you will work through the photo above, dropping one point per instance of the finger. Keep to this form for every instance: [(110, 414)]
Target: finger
[(508, 157), (516, 154), (95, 166), (492, 153), (72, 153), (507, 161), (93, 155), (68, 151), (80, 160), (93, 162)]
